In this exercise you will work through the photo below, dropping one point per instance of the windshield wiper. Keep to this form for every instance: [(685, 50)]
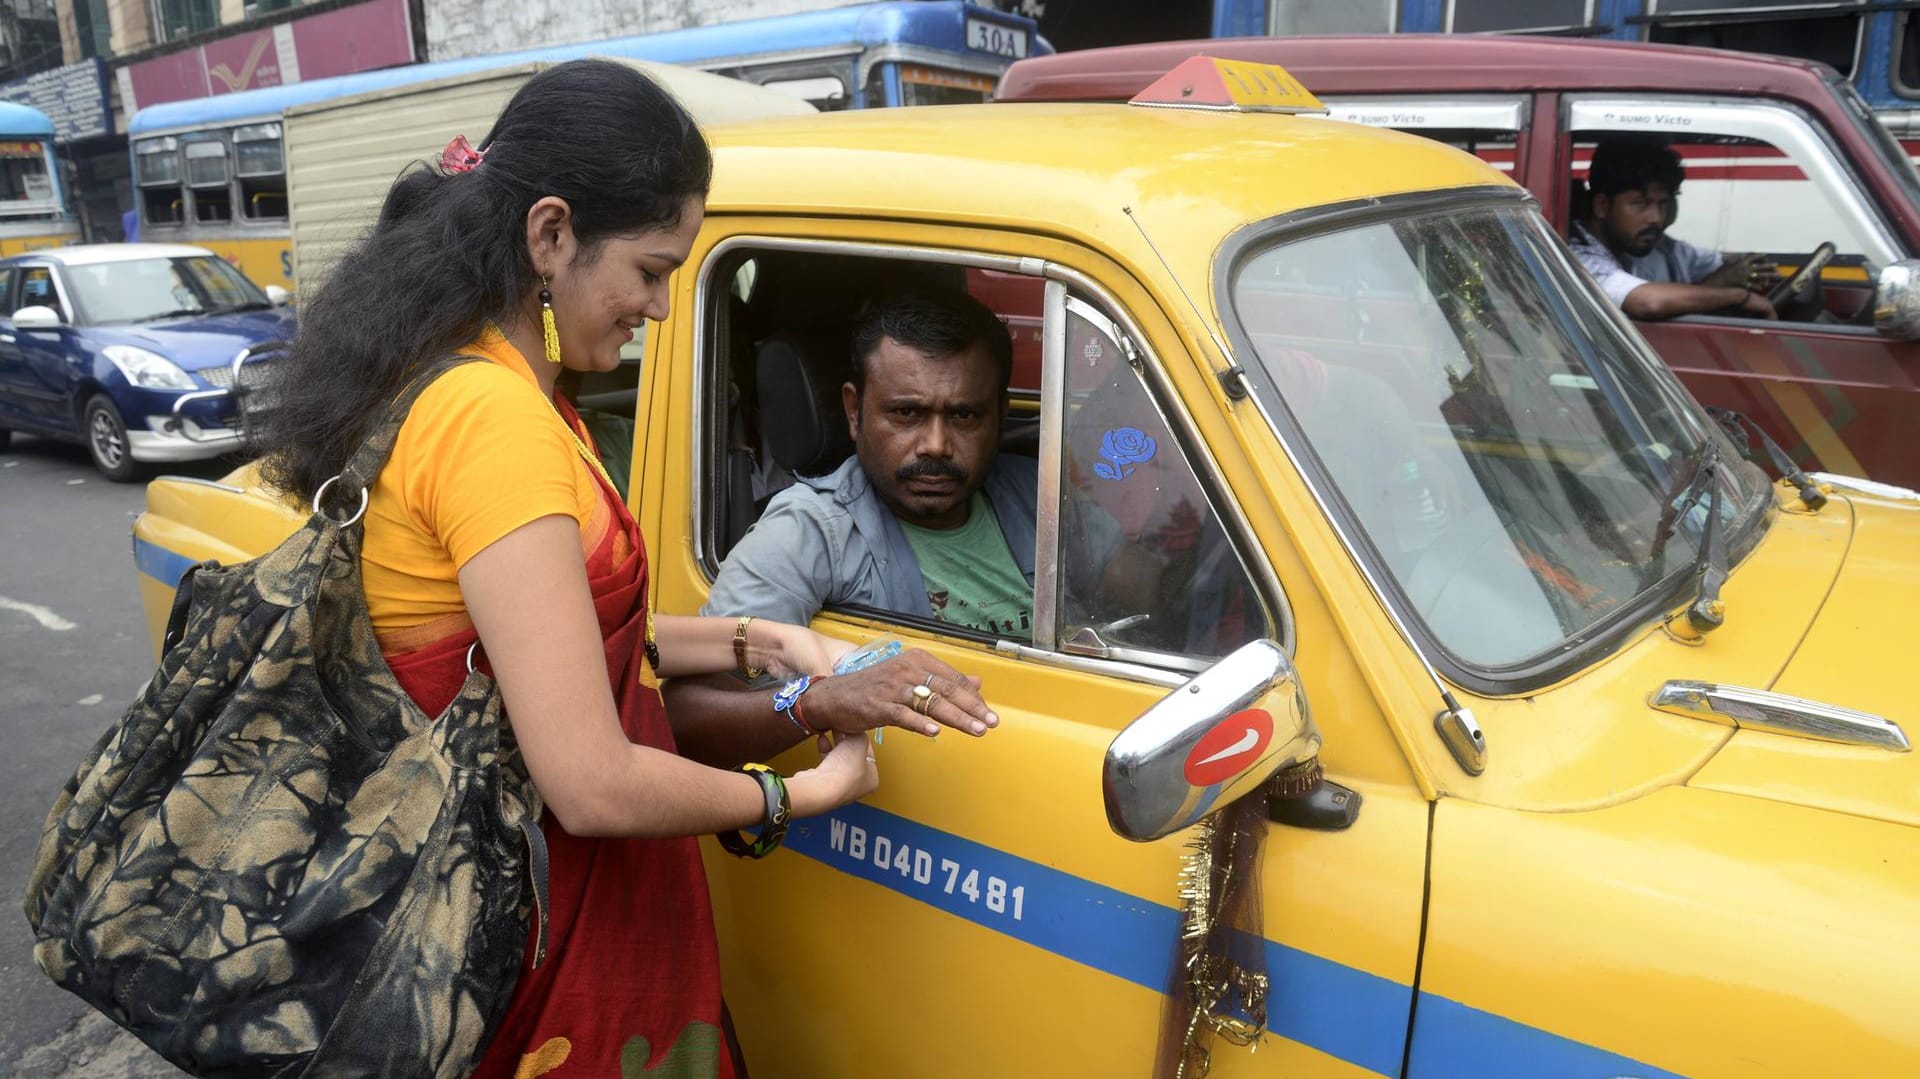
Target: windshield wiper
[(249, 305), (178, 312), (1742, 429), (1707, 611)]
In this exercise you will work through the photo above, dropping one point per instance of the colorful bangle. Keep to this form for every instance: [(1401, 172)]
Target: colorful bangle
[(773, 828)]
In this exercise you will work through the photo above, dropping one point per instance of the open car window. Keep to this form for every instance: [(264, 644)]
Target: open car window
[(1135, 564)]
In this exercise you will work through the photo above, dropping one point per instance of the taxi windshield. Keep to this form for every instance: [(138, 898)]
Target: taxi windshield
[(1518, 465)]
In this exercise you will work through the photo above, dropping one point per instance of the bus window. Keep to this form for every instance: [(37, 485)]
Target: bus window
[(820, 84), (828, 93), (932, 86), (1832, 39), (158, 174), (23, 173), (207, 176), (260, 165)]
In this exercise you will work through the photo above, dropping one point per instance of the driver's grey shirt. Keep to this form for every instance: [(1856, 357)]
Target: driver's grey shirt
[(830, 541), (1671, 260)]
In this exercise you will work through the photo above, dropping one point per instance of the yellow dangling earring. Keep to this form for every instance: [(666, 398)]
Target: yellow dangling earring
[(547, 328)]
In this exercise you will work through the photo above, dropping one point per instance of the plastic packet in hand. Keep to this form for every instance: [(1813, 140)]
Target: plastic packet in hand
[(866, 656)]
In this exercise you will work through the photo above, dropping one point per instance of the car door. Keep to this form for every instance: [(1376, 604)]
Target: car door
[(46, 375), (977, 915), (1760, 178), (11, 368)]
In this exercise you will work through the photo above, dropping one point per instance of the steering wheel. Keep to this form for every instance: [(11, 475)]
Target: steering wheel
[(1802, 290)]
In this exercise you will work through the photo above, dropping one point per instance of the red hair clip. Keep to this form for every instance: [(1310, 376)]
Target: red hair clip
[(460, 156)]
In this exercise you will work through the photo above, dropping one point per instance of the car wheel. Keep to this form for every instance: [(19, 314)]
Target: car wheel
[(107, 440)]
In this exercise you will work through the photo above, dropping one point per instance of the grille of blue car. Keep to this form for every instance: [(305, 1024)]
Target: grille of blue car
[(251, 373)]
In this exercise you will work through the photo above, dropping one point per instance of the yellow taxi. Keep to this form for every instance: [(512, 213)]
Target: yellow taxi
[(1613, 728)]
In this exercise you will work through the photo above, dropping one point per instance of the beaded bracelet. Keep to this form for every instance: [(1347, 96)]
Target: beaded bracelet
[(773, 828)]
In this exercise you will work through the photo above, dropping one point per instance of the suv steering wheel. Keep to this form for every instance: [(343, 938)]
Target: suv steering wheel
[(1801, 292)]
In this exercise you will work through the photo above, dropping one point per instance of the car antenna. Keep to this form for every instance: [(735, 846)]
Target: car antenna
[(1233, 380)]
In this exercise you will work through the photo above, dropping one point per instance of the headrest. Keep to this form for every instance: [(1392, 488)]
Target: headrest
[(798, 376)]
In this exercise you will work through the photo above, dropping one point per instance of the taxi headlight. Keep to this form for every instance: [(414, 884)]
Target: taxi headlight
[(148, 370)]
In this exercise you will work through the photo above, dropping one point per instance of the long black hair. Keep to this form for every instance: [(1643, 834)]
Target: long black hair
[(449, 252)]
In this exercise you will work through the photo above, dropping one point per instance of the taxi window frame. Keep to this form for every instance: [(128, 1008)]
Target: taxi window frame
[(709, 431), (1570, 655)]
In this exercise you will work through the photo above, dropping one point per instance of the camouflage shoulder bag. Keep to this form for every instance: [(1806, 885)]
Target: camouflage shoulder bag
[(276, 864)]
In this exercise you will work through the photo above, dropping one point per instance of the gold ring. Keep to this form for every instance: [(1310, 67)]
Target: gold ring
[(931, 701), (922, 699)]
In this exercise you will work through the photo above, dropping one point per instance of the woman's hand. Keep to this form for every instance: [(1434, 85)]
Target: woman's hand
[(799, 650), (846, 773), (883, 695)]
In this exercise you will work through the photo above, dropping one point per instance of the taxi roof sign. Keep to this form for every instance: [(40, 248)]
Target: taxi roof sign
[(1209, 82)]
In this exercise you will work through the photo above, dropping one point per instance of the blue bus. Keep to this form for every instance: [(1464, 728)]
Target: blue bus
[(33, 205), (1873, 43), (212, 171)]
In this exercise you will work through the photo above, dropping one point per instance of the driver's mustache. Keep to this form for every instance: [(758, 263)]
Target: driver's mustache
[(931, 468)]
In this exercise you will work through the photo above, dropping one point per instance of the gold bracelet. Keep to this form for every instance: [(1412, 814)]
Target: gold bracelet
[(747, 670)]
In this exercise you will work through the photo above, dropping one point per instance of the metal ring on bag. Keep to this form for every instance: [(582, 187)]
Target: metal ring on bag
[(320, 494), (471, 649)]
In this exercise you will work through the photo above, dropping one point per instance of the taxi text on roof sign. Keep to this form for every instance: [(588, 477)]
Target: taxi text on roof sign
[(1208, 82)]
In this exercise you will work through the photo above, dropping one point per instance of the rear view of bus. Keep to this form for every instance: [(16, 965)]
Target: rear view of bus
[(33, 207)]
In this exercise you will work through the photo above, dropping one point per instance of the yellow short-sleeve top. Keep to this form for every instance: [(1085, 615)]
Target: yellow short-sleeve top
[(481, 453)]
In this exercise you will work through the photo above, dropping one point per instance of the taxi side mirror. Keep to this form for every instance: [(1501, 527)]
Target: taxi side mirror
[(1896, 301), (1221, 735), (37, 317), (278, 296)]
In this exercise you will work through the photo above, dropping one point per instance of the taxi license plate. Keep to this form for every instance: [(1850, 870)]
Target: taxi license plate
[(996, 39)]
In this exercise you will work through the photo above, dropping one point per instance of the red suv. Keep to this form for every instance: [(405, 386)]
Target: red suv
[(1782, 157)]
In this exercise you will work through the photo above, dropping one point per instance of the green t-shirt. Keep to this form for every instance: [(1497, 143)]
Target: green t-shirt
[(971, 577)]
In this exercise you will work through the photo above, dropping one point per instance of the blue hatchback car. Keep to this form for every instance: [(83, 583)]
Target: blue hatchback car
[(143, 352)]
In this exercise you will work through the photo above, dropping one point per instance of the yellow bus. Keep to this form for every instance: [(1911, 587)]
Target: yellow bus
[(33, 206)]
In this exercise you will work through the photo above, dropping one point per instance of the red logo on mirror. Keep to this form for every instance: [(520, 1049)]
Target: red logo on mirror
[(1227, 749)]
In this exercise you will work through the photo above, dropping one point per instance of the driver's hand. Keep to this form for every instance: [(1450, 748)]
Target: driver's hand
[(1762, 273), (1756, 304)]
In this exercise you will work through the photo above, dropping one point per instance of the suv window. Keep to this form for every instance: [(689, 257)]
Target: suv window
[(1486, 126), (1758, 179)]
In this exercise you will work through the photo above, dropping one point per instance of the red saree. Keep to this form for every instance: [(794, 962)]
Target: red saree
[(631, 983)]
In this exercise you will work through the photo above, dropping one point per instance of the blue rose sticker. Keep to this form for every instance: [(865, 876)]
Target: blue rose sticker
[(1124, 447)]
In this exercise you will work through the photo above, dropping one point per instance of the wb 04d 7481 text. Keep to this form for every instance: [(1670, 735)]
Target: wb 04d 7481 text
[(925, 868)]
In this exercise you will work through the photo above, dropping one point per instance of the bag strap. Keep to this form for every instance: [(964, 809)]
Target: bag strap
[(364, 466)]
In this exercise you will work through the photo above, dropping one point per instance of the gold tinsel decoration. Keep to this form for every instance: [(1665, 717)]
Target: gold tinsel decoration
[(1219, 863)]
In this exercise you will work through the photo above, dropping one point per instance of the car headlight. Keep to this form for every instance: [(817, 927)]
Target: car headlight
[(148, 370)]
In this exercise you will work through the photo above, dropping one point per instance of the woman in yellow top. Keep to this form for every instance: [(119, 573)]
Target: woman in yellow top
[(492, 522)]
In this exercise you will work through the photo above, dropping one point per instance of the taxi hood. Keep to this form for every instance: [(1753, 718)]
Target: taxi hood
[(1860, 652)]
